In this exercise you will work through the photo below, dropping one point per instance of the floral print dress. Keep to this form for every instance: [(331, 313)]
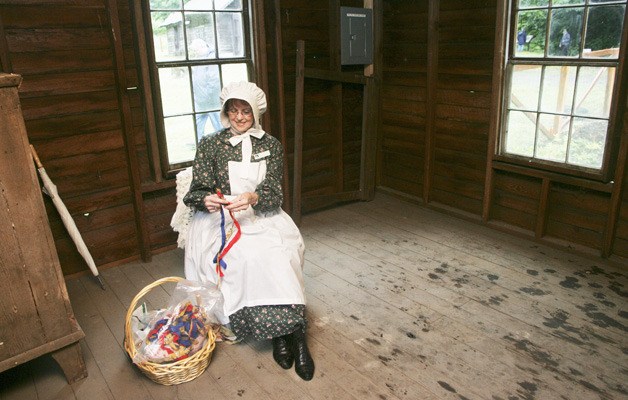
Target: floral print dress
[(263, 282)]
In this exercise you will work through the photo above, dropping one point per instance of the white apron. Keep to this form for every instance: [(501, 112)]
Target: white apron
[(265, 266)]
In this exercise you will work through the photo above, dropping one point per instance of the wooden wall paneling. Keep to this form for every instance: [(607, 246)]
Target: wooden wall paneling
[(281, 100), (134, 86), (555, 177), (464, 68), (113, 244), (516, 200), (370, 136), (336, 95), (621, 125), (432, 79), (159, 209), (69, 104), (620, 242), (298, 132), (620, 236), (371, 106), (403, 96), (541, 217), (133, 167), (260, 57), (337, 145), (5, 60), (147, 94), (72, 108), (82, 3), (57, 61), (577, 215)]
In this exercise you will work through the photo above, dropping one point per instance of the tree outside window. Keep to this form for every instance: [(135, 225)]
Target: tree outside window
[(560, 81)]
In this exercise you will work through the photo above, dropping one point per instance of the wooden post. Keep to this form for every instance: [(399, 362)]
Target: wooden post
[(281, 102), (133, 166), (298, 131), (496, 106), (541, 217), (369, 69), (432, 77), (144, 76)]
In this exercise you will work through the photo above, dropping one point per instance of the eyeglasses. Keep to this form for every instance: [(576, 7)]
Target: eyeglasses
[(247, 112)]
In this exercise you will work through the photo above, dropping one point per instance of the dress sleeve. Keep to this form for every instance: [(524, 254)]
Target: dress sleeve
[(269, 190), (204, 178)]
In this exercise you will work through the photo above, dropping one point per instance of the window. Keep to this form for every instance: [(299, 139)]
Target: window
[(198, 47), (560, 81)]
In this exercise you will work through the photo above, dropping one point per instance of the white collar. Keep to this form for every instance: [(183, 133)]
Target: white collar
[(235, 139)]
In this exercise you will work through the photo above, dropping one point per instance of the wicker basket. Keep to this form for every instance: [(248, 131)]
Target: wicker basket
[(168, 373)]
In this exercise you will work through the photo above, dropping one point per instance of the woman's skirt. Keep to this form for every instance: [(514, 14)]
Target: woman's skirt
[(263, 268)]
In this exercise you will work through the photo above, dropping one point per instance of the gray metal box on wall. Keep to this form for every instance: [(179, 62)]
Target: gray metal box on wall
[(356, 36)]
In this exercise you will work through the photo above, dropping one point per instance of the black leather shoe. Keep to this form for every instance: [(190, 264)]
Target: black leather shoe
[(303, 363), (282, 351)]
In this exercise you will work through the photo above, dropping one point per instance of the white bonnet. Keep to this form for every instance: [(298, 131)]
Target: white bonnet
[(248, 92)]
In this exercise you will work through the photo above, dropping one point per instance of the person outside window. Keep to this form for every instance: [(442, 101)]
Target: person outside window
[(521, 39), (565, 41)]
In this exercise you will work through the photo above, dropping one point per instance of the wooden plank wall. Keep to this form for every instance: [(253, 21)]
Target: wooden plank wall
[(70, 103), (402, 130), (316, 24), (82, 120), (463, 81), (434, 132), (620, 244)]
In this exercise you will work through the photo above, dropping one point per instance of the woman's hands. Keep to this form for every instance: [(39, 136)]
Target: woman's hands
[(241, 202), (213, 202)]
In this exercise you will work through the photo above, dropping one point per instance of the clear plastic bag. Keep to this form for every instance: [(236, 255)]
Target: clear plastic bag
[(180, 330)]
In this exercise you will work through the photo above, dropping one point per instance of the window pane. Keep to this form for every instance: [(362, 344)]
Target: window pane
[(207, 123), (566, 2), (558, 89), (200, 35), (206, 86), (595, 89), (176, 97), (525, 84), (565, 29), (230, 35), (532, 3), (519, 138), (234, 73), (604, 29), (587, 143), (198, 4), (180, 139), (533, 22), (552, 138), (228, 4), (165, 4), (168, 36)]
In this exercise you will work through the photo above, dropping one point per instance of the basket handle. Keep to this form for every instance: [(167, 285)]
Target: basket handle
[(129, 314)]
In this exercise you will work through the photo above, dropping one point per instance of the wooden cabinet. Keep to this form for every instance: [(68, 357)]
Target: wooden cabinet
[(35, 313)]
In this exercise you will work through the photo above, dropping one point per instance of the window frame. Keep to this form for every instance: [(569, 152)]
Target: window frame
[(509, 60), (160, 157)]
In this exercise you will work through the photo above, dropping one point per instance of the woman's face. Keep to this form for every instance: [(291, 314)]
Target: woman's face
[(240, 115)]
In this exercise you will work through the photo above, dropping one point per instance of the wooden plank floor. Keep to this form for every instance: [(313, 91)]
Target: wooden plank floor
[(403, 303)]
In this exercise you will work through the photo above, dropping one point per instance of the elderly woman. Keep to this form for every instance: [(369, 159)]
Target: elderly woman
[(240, 238)]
